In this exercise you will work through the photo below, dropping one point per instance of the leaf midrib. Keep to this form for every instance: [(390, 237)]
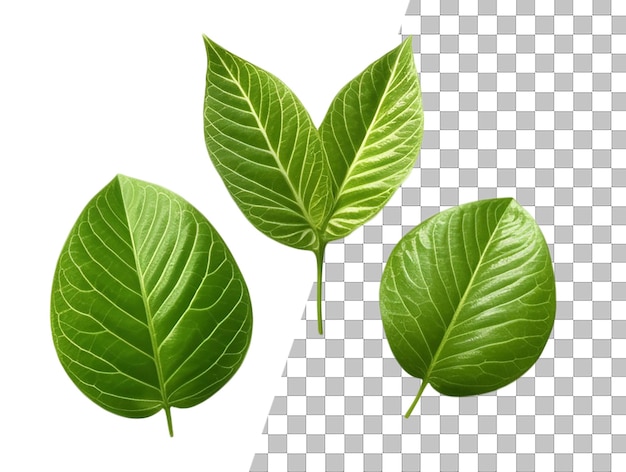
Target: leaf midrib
[(459, 307), (146, 304), (274, 153), (359, 151)]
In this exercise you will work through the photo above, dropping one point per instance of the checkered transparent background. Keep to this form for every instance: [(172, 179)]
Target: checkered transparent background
[(523, 99)]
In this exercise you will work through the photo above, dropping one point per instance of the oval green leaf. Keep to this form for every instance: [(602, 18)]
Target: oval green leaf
[(372, 135), (266, 149), (468, 298), (301, 186), (149, 310)]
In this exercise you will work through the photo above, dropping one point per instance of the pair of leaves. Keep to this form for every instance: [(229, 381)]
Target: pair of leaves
[(149, 310), (468, 298), (300, 185)]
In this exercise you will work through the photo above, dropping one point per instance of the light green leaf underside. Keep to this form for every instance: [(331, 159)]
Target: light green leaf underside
[(372, 135), (266, 149), (468, 297), (149, 309)]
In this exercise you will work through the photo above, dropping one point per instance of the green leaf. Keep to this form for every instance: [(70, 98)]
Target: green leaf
[(266, 149), (302, 186), (468, 298), (149, 310), (372, 134)]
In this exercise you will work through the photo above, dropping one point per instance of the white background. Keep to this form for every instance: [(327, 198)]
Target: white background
[(91, 89)]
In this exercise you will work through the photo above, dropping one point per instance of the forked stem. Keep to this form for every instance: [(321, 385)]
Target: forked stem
[(168, 414), (319, 256), (417, 398)]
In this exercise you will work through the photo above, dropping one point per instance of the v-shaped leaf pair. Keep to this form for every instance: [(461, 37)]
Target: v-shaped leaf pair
[(300, 185)]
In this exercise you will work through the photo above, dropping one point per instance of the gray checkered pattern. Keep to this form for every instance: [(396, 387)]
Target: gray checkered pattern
[(523, 99)]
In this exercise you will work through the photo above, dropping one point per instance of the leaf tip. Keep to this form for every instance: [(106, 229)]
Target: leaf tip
[(209, 44), (509, 200), (510, 204), (407, 44), (121, 180)]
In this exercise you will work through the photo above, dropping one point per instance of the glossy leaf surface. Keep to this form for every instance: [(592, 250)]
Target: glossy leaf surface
[(468, 298), (266, 149), (372, 135), (302, 186), (149, 310)]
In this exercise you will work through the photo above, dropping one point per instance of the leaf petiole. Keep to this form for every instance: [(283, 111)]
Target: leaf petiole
[(168, 414), (417, 398), (319, 256)]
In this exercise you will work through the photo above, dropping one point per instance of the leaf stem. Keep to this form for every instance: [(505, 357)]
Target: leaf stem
[(168, 414), (417, 398), (319, 255)]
